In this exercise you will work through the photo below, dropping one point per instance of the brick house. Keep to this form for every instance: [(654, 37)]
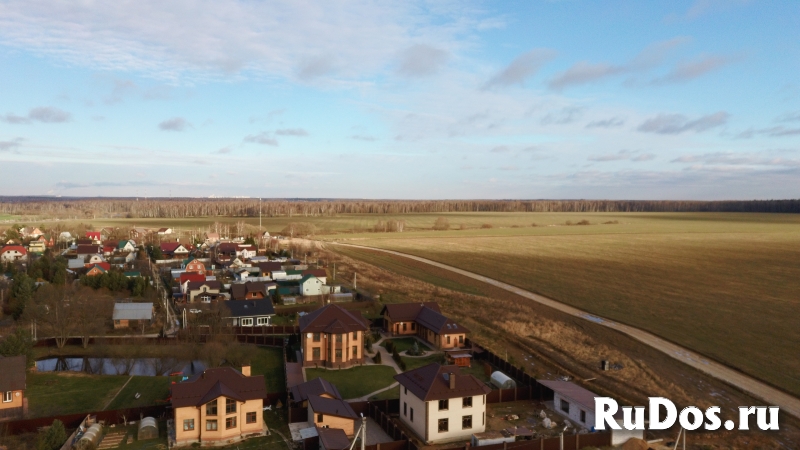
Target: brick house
[(425, 321), (218, 406), (195, 266), (332, 337), (439, 404), (324, 412), (13, 403)]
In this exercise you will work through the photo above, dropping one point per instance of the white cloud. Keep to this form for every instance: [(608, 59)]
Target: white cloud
[(175, 124), (523, 67), (678, 123)]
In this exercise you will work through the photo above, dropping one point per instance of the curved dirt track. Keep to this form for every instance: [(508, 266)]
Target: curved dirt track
[(772, 396)]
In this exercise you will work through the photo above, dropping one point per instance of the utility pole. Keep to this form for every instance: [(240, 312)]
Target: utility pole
[(355, 286), (334, 271)]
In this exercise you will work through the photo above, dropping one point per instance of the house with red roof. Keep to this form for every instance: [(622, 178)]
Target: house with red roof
[(195, 266), (96, 236), (175, 249), (98, 269), (12, 253)]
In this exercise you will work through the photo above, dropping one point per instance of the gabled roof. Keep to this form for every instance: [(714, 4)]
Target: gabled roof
[(12, 377), (171, 247), (122, 244), (333, 438), (438, 323), (306, 278), (10, 248), (319, 273), (332, 317), (432, 382), (317, 386), (269, 266), (405, 312), (88, 249), (215, 383), (104, 266), (133, 311), (191, 276), (241, 290), (331, 406), (251, 308), (195, 285)]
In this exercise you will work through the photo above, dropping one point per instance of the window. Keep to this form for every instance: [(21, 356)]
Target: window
[(230, 406), (188, 424), (466, 422), (315, 353), (444, 405), (411, 414), (413, 326), (564, 406), (211, 408), (405, 409), (405, 325), (339, 338), (211, 425), (583, 416), (8, 396), (355, 335), (444, 425), (339, 354), (355, 351), (251, 417), (317, 337), (466, 402), (448, 339), (230, 422), (461, 339), (406, 390), (319, 418), (483, 421), (484, 399), (262, 321), (247, 322)]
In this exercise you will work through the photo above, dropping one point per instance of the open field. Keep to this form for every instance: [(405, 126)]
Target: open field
[(356, 381), (722, 284)]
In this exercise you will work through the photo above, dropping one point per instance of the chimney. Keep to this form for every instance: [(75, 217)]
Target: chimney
[(246, 371), (452, 380)]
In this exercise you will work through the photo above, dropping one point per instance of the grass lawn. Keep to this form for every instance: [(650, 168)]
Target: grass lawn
[(388, 394), (403, 344), (57, 394), (269, 363), (414, 363), (151, 390), (356, 381), (722, 284)]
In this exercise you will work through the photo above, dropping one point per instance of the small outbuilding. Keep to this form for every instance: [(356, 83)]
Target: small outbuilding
[(91, 438), (502, 381), (132, 314), (148, 429), (490, 438)]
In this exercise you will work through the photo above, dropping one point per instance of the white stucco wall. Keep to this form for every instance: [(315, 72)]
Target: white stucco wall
[(574, 414), (431, 415)]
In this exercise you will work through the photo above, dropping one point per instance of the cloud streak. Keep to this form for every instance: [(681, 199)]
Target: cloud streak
[(421, 60), (678, 123), (291, 132), (523, 67), (175, 124), (43, 114), (262, 138)]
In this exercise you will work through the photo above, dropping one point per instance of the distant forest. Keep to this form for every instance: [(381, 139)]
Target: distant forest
[(237, 207)]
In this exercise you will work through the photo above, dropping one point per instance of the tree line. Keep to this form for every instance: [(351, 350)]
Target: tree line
[(195, 207)]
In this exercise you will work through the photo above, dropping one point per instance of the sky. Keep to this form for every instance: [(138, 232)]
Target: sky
[(557, 99)]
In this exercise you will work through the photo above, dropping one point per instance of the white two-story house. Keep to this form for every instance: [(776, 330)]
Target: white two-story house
[(440, 404)]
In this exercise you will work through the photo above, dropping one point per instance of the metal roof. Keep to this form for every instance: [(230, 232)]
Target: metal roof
[(133, 311), (571, 391)]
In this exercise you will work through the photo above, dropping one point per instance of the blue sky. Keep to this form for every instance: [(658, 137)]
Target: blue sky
[(455, 99)]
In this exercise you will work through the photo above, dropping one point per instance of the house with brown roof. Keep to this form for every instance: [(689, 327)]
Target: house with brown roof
[(251, 290), (12, 387), (332, 337), (324, 412), (88, 249), (318, 386), (203, 291), (319, 273), (333, 439), (440, 404), (218, 406), (175, 249), (425, 321)]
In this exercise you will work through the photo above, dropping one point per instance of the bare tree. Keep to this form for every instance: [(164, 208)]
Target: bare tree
[(93, 309), (54, 312)]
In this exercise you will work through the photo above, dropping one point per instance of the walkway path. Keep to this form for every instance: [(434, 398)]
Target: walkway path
[(115, 395), (772, 396), (386, 360)]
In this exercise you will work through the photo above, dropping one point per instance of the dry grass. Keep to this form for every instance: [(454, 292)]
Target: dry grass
[(724, 285)]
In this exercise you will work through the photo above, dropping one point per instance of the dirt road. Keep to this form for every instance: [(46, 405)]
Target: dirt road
[(773, 397)]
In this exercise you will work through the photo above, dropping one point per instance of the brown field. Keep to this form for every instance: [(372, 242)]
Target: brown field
[(725, 285)]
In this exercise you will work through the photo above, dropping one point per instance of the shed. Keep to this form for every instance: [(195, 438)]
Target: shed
[(126, 313), (461, 359), (148, 429), (502, 381)]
